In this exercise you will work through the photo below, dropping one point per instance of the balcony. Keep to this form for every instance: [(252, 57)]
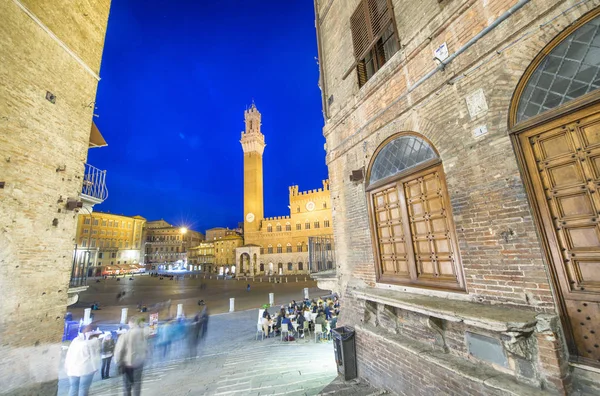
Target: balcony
[(93, 190)]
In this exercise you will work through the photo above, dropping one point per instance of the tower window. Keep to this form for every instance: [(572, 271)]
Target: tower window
[(288, 248), (298, 226), (269, 228), (307, 225), (326, 223), (270, 249), (288, 227), (324, 205), (279, 250), (298, 209), (299, 247), (278, 227), (317, 225)]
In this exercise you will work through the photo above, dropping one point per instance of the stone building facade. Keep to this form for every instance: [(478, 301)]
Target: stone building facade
[(51, 53), (277, 245), (461, 140), (166, 246), (202, 257), (106, 241)]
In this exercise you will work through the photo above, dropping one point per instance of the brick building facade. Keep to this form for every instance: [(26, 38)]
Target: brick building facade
[(461, 141), (51, 53)]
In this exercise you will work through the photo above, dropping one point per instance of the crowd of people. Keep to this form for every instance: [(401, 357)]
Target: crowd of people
[(295, 314), (94, 350)]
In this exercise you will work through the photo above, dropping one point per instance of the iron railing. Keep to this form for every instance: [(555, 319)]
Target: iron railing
[(321, 254), (94, 183)]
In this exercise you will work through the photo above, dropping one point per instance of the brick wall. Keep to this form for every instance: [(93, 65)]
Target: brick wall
[(501, 254), (36, 138)]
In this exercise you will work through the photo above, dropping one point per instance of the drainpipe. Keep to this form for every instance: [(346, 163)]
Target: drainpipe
[(441, 66), (322, 80), (468, 44)]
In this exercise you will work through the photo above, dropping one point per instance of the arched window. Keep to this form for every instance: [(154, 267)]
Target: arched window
[(317, 225), (307, 225), (300, 266), (290, 267), (269, 228), (288, 248), (325, 223), (298, 226), (288, 226), (279, 248), (270, 249), (299, 247), (278, 227), (570, 70), (410, 215)]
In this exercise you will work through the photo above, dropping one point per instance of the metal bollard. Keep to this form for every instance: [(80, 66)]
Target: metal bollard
[(306, 293), (124, 316), (231, 304), (271, 299)]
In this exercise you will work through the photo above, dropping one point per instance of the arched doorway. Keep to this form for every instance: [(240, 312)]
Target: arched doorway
[(270, 268), (555, 126), (280, 268)]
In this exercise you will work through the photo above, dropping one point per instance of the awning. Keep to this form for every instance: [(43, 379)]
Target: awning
[(96, 138)]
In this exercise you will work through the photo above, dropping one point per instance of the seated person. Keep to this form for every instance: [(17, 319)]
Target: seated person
[(288, 322), (333, 321), (321, 320), (300, 319)]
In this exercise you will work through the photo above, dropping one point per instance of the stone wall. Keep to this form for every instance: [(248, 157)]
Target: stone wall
[(43, 149), (501, 254)]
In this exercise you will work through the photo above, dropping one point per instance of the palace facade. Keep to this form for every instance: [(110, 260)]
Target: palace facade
[(279, 245), (107, 243), (166, 246)]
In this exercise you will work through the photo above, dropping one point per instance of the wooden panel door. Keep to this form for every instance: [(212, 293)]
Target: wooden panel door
[(393, 255), (563, 162), (432, 228)]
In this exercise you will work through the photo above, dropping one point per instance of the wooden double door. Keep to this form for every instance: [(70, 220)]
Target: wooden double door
[(562, 158)]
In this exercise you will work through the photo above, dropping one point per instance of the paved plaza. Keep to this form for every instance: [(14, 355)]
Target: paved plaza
[(232, 362), (186, 290)]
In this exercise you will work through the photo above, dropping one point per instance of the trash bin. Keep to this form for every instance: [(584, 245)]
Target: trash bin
[(345, 351)]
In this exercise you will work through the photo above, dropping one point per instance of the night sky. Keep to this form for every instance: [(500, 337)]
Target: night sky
[(176, 79)]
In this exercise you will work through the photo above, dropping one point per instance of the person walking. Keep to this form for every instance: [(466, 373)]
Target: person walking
[(107, 351), (82, 361), (248, 287), (130, 353)]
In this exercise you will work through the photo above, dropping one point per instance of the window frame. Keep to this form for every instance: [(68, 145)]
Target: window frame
[(395, 181)]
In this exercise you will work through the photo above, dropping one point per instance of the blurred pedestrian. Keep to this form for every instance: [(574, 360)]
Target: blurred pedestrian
[(107, 351), (130, 353), (248, 287), (82, 361)]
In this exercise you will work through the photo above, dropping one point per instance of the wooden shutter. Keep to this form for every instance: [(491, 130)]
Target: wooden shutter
[(379, 16), (362, 35)]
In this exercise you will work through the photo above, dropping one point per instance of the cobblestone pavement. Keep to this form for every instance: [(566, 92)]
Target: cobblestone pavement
[(232, 362)]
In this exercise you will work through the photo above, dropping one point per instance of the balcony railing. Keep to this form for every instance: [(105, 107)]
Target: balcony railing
[(94, 183), (321, 255)]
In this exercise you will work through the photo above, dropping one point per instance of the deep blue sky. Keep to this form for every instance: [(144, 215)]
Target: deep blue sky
[(176, 79)]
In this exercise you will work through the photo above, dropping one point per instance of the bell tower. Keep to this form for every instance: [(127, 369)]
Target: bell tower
[(253, 144)]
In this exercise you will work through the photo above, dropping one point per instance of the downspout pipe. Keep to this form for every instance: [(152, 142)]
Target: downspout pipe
[(440, 67), (469, 43)]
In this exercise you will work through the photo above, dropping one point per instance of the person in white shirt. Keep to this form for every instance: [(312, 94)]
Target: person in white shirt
[(82, 361)]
